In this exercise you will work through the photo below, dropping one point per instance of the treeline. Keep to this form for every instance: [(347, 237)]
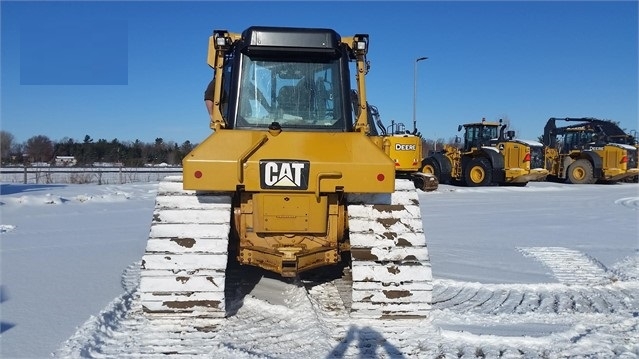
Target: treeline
[(41, 149)]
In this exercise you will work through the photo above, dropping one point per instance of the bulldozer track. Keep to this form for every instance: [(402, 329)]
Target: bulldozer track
[(391, 272), (183, 268), (187, 251)]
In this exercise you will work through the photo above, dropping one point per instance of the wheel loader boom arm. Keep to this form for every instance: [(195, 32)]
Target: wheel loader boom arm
[(602, 127)]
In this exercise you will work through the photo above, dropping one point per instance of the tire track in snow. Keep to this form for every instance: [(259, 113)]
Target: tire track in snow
[(629, 202), (562, 334), (258, 329), (628, 269), (313, 322), (131, 277), (552, 298), (569, 266), (364, 338)]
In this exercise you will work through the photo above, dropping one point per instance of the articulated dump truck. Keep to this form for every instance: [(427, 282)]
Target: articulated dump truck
[(289, 181)]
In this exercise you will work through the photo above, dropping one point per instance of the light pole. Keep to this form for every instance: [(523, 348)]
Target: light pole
[(415, 92)]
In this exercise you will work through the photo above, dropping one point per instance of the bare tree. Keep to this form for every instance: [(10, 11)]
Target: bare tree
[(433, 145), (39, 148), (508, 123), (6, 142), (186, 147)]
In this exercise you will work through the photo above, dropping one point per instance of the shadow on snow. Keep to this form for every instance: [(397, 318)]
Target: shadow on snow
[(4, 326), (368, 343), (6, 188)]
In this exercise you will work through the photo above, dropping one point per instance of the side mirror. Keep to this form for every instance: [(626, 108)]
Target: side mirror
[(459, 128)]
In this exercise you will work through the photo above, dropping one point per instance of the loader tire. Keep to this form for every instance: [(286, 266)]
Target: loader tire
[(478, 172), (432, 167), (581, 172)]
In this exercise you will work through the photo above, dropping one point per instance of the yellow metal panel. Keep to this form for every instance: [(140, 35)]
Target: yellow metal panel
[(513, 155), (406, 152), (289, 213), (612, 158), (347, 160)]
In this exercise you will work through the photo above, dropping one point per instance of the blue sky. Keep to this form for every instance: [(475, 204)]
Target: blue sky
[(137, 70)]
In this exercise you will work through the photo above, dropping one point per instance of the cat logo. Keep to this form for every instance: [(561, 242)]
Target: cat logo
[(280, 174)]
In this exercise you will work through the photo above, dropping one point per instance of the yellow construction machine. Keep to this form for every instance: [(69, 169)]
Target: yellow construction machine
[(588, 151), (404, 148), (635, 141), (289, 181), (490, 155)]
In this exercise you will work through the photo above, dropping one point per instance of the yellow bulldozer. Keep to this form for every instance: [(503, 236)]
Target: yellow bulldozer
[(589, 150), (489, 155), (288, 181)]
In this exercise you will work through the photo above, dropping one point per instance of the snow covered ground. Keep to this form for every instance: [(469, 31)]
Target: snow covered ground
[(548, 270)]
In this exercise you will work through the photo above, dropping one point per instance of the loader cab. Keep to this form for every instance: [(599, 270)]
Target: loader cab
[(480, 134), (298, 79), (577, 138)]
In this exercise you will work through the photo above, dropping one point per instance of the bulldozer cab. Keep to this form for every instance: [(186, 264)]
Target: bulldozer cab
[(297, 81), (295, 94)]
